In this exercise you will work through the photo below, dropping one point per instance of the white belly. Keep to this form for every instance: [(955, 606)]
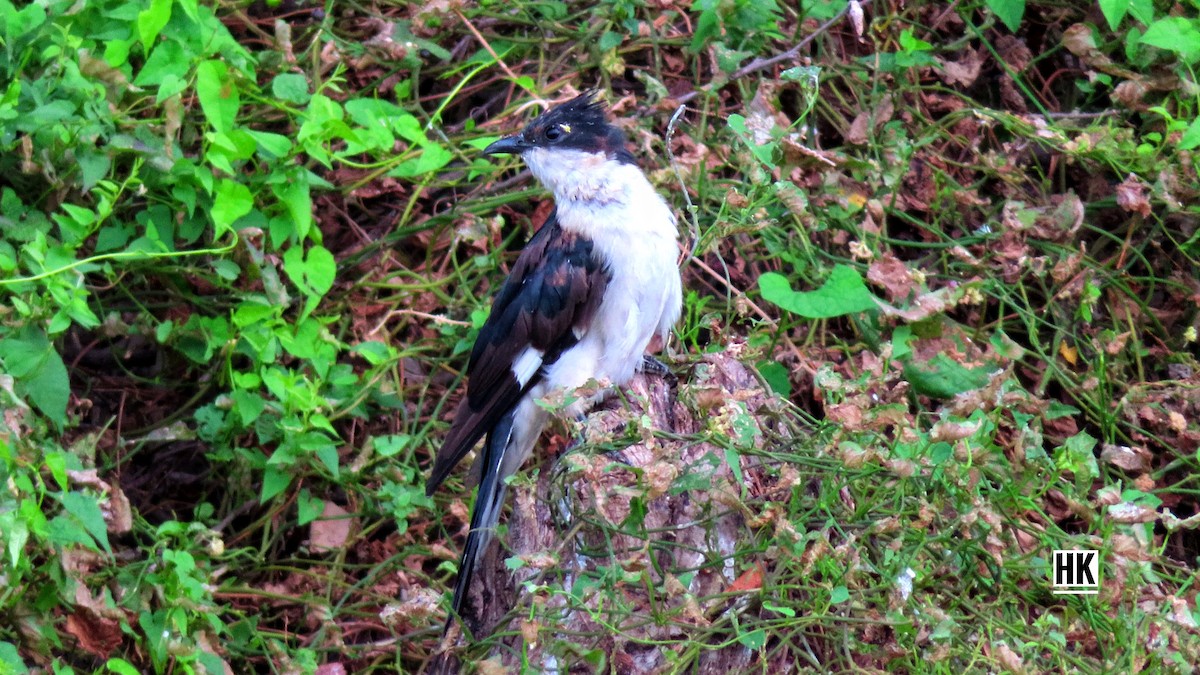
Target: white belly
[(642, 299)]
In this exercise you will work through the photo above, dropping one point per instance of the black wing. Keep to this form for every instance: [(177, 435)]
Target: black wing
[(547, 302)]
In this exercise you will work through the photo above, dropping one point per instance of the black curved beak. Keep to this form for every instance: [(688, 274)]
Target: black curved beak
[(509, 145)]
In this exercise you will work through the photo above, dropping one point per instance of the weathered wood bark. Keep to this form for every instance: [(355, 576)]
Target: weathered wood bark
[(612, 581)]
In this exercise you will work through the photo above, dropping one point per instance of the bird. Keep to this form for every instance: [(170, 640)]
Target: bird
[(594, 288)]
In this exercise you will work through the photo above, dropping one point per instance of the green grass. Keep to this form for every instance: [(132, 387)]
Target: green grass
[(941, 320)]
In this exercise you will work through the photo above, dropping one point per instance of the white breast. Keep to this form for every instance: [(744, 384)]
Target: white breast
[(634, 232)]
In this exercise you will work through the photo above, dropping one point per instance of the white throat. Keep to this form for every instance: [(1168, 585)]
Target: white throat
[(602, 198), (578, 176)]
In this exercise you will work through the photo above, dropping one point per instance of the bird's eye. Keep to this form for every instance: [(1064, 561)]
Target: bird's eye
[(553, 133)]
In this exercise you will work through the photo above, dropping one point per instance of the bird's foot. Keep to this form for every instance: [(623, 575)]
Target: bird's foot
[(578, 426), (652, 366)]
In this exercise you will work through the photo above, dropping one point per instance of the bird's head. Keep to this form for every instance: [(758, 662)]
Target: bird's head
[(566, 141)]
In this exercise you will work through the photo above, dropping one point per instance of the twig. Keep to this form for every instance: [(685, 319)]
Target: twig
[(693, 224), (1082, 115), (479, 36), (737, 292), (423, 315), (762, 64)]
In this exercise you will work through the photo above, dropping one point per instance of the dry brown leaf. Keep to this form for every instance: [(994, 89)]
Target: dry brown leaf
[(1129, 513), (1080, 41), (1008, 659), (332, 529), (492, 666), (1173, 522), (97, 635), (924, 305), (416, 604), (1014, 52), (891, 274), (847, 415), (867, 120), (965, 71), (118, 513), (1133, 459), (1063, 220), (1132, 196), (750, 580), (954, 431), (855, 11), (529, 631), (205, 641)]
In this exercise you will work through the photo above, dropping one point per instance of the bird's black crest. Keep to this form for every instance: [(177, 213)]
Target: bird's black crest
[(586, 111), (581, 124)]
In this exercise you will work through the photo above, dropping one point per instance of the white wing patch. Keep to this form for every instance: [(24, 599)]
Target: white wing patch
[(527, 364)]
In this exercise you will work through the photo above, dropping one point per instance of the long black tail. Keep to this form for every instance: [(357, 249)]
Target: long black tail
[(488, 503)]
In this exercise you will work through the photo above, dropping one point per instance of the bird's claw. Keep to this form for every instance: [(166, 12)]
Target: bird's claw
[(652, 366)]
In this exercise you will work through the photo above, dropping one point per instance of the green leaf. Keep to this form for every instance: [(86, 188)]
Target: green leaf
[(610, 40), (170, 86), (121, 667), (211, 662), (218, 95), (734, 461), (17, 532), (842, 293), (1077, 455), (226, 269), (1009, 11), (1058, 409), (291, 87), (839, 594), (944, 629), (327, 453), (313, 273), (92, 167), (151, 21), (319, 421), (86, 510), (1191, 137), (63, 530), (1142, 10), (9, 656), (910, 43), (275, 480), (1114, 11), (432, 158), (753, 640), (388, 446), (297, 200), (251, 312), (481, 142), (163, 62), (373, 351), (707, 26), (272, 146), (762, 152), (1175, 34), (249, 405), (309, 507), (943, 377), (776, 375), (56, 463), (728, 60), (30, 358), (786, 611), (231, 201)]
